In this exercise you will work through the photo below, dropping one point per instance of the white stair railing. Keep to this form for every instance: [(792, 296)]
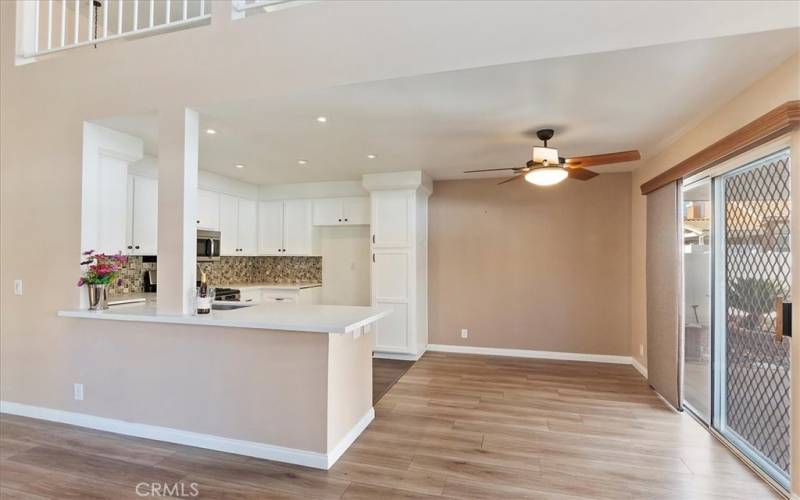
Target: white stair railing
[(50, 26)]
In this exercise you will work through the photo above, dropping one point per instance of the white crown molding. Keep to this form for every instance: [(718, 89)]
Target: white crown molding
[(525, 353), (265, 451)]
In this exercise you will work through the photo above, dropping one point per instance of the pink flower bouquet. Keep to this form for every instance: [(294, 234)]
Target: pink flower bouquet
[(102, 269)]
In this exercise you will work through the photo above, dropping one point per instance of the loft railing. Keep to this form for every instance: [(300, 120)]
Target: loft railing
[(50, 26)]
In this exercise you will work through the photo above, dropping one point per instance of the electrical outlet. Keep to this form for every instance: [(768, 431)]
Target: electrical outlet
[(464, 333), (17, 287), (641, 350), (78, 390)]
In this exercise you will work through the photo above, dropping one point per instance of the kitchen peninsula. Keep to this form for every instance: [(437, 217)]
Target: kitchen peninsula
[(285, 382)]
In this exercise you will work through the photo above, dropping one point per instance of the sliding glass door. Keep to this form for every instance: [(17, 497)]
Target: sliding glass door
[(697, 298), (752, 276)]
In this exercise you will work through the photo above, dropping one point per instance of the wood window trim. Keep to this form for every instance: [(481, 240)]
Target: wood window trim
[(771, 125)]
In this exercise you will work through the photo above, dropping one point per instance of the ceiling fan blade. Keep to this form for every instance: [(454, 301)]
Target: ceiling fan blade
[(581, 174), (489, 170), (516, 176), (604, 159)]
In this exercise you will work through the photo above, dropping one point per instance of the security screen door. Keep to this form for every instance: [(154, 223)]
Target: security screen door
[(752, 275)]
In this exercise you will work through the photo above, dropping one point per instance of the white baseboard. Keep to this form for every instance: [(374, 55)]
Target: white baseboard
[(237, 446), (350, 437), (525, 353), (395, 355), (639, 367)]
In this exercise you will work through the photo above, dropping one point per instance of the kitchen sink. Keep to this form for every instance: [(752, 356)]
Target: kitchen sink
[(217, 306)]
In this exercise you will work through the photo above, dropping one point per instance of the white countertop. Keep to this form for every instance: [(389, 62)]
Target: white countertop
[(291, 317)]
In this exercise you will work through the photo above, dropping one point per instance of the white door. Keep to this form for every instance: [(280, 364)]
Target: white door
[(391, 218), (270, 228), (229, 225), (296, 227), (112, 210), (207, 210), (144, 235), (355, 210), (327, 212), (248, 227)]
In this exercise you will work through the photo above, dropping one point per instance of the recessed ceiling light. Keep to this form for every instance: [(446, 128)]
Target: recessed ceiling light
[(239, 165), (302, 162), (210, 131), (322, 119), (371, 157)]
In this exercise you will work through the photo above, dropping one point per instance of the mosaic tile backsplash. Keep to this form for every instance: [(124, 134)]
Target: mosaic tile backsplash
[(231, 270), (132, 275)]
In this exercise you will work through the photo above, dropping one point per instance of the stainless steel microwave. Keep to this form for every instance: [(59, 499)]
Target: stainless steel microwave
[(208, 245)]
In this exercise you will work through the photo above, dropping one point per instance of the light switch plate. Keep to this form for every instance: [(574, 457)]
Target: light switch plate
[(464, 333), (17, 287), (78, 392)]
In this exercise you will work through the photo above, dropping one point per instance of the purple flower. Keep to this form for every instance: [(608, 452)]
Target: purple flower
[(80, 282), (119, 281)]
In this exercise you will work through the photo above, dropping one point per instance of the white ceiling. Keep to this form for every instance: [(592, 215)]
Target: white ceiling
[(446, 123)]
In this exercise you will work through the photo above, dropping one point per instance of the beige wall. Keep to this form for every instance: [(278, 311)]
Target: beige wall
[(780, 86), (345, 265), (527, 267)]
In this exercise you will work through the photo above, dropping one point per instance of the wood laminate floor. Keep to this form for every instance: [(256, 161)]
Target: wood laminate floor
[(454, 426), (386, 373)]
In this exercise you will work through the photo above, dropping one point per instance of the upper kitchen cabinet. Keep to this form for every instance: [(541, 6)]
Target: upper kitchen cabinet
[(238, 226), (143, 220), (112, 213), (284, 228), (341, 211), (392, 218), (208, 210)]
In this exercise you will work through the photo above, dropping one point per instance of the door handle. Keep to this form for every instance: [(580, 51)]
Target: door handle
[(783, 319), (373, 239), (373, 257)]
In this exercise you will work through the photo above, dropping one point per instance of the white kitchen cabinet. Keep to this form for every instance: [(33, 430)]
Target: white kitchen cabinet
[(142, 220), (392, 218), (297, 229), (399, 228), (228, 225), (341, 211), (112, 210), (238, 226), (208, 210), (248, 227), (270, 228), (284, 228)]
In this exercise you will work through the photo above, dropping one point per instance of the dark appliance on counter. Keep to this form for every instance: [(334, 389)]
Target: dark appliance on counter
[(227, 294), (150, 281), (208, 245)]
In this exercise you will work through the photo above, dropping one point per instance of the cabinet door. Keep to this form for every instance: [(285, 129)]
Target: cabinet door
[(355, 210), (391, 218), (112, 208), (144, 234), (248, 227), (327, 212), (270, 228), (297, 227), (229, 225), (391, 289), (207, 210)]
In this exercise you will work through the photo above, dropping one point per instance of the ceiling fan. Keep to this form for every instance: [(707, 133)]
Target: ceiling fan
[(547, 168)]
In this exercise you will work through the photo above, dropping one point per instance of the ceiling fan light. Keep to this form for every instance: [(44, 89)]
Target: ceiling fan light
[(545, 156), (546, 176)]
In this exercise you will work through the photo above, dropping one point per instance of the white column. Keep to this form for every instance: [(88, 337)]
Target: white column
[(178, 143), (795, 228)]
